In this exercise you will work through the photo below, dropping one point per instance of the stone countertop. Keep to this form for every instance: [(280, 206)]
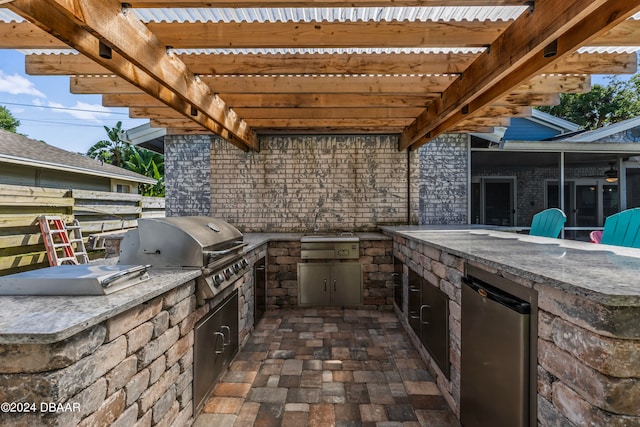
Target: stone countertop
[(607, 274), (49, 319)]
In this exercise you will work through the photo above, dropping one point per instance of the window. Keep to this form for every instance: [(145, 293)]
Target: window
[(123, 188)]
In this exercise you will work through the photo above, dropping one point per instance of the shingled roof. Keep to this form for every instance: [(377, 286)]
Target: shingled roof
[(19, 149)]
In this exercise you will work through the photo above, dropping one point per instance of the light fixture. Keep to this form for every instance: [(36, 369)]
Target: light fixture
[(103, 50), (551, 49), (611, 175)]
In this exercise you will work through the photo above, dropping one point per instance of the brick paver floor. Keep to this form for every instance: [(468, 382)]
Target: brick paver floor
[(327, 367)]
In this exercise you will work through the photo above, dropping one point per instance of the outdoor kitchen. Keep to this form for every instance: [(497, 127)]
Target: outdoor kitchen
[(317, 260), (141, 346)]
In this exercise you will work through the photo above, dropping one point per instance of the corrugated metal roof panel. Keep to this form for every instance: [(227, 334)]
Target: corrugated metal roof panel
[(609, 49), (480, 13), (7, 16), (48, 51), (327, 51)]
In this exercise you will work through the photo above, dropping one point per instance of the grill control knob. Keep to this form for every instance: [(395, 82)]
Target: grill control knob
[(229, 272), (218, 279), (236, 267), (244, 263)]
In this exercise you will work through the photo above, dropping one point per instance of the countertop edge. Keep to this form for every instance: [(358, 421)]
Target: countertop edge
[(123, 302), (601, 297)]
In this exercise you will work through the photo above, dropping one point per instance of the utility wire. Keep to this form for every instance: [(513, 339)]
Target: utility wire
[(62, 108), (56, 122)]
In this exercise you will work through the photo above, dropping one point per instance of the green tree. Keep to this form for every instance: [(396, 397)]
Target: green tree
[(149, 164), (7, 121), (114, 150), (603, 105)]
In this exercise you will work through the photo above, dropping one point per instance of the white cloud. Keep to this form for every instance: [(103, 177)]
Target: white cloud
[(82, 110), (18, 85)]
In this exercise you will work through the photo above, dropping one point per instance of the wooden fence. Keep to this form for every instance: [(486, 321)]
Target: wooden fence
[(21, 245)]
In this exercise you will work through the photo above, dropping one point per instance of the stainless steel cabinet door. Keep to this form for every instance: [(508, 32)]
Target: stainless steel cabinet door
[(313, 283), (346, 283)]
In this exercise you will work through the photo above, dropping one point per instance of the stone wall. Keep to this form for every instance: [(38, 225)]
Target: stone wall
[(135, 369), (588, 362), (376, 257), (588, 353), (338, 183), (444, 271), (187, 174), (443, 180)]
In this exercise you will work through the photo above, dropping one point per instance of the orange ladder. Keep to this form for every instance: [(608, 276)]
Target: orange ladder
[(58, 244)]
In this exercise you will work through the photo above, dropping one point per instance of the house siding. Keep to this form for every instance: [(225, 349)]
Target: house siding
[(39, 177), (527, 130)]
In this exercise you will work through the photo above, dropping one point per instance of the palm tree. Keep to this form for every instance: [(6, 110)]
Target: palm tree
[(149, 164), (113, 151)]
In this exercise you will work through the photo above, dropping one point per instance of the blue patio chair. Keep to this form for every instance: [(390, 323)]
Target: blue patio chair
[(622, 229), (548, 223)]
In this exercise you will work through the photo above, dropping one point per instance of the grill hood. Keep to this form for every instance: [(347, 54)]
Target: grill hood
[(187, 241)]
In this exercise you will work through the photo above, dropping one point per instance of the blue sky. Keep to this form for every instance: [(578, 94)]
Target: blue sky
[(48, 111)]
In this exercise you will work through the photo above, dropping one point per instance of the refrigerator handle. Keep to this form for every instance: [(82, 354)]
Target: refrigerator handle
[(422, 307)]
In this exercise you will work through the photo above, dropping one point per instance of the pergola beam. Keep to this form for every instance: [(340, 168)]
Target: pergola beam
[(286, 100), (294, 113), (88, 25), (25, 35), (327, 34), (409, 85), (399, 85), (570, 23), (379, 63)]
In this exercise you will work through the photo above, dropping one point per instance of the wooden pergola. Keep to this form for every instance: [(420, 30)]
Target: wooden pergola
[(239, 78)]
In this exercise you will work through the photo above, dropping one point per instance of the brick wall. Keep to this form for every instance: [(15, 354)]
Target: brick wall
[(346, 182), (443, 180)]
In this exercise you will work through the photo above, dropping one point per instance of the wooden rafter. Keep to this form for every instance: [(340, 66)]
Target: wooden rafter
[(25, 35), (570, 23), (149, 69), (409, 85), (413, 63), (419, 95), (290, 100), (261, 124), (378, 63), (529, 98), (405, 85), (326, 101), (327, 34), (294, 113)]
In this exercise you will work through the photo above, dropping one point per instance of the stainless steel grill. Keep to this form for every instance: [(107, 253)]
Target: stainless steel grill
[(207, 243)]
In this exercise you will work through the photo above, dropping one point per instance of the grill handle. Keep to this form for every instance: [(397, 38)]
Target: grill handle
[(139, 270), (211, 254)]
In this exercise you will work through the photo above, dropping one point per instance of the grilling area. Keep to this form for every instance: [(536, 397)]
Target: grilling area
[(319, 263)]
